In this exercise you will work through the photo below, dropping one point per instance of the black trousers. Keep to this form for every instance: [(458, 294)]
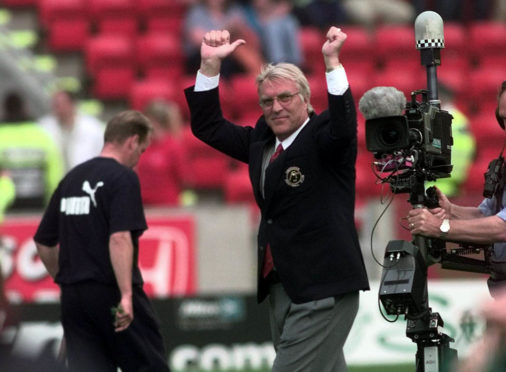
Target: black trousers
[(92, 344)]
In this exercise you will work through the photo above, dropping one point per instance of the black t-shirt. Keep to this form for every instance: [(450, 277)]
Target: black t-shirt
[(94, 200)]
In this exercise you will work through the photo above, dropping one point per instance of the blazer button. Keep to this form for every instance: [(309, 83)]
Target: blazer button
[(269, 221)]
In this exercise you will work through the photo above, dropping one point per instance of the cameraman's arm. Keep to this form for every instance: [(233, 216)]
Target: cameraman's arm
[(484, 230), (464, 213)]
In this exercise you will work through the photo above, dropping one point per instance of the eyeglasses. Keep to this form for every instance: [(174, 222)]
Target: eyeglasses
[(283, 99)]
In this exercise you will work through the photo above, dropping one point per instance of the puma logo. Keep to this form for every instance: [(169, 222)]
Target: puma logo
[(91, 191)]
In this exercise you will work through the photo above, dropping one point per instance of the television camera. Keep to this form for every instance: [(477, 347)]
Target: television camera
[(410, 149)]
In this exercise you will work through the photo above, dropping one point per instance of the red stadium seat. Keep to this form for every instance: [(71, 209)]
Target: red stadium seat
[(404, 80), (487, 41), (489, 141), (455, 78), (65, 23), (311, 40), (359, 51), (114, 16), (456, 50), (365, 183), (240, 87), (395, 45), (160, 56), (237, 187), (162, 15), (319, 93), (142, 92), (207, 167), (360, 81), (486, 130), (473, 185), (483, 84), (248, 119), (110, 63)]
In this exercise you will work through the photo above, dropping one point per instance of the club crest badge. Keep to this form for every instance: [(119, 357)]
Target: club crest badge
[(294, 177)]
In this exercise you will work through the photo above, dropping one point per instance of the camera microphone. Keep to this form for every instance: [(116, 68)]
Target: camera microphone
[(429, 37)]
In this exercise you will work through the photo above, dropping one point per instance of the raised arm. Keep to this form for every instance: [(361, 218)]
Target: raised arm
[(215, 47), (332, 47)]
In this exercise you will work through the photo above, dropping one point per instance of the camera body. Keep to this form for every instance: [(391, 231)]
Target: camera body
[(419, 140)]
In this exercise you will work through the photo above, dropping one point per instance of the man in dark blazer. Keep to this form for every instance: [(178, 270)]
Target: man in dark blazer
[(302, 168)]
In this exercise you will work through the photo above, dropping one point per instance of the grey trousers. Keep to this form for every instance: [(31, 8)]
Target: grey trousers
[(309, 337)]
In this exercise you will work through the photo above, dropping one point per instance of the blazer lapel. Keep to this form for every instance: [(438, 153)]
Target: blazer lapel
[(273, 174), (255, 166)]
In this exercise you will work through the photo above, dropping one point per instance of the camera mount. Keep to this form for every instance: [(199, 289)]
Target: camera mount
[(415, 148)]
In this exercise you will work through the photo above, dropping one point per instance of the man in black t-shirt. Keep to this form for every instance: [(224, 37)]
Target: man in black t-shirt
[(88, 241)]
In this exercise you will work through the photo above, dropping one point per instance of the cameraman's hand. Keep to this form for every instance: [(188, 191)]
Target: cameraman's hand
[(444, 203), (214, 48), (422, 221)]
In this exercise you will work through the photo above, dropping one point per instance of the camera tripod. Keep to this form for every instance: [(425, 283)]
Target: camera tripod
[(403, 288)]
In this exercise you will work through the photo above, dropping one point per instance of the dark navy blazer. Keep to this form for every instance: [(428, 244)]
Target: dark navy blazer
[(307, 214)]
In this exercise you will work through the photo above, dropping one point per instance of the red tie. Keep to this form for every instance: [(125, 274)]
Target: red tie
[(278, 151), (268, 261)]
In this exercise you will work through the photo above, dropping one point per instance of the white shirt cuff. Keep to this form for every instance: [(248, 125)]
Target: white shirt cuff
[(337, 81), (203, 82)]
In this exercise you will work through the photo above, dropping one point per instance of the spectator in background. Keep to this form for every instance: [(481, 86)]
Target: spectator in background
[(499, 12), (320, 13), (458, 10), (79, 136), (207, 15), (370, 13), (29, 154), (278, 30), (7, 195), (162, 166), (464, 146)]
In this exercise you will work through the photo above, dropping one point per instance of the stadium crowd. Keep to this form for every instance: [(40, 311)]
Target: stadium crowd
[(37, 152)]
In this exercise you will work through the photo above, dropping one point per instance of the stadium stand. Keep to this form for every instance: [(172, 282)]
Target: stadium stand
[(161, 15), (394, 46), (110, 64), (486, 42), (311, 40), (159, 56), (144, 60), (209, 167), (65, 24), (359, 55), (244, 85), (144, 91), (114, 16)]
